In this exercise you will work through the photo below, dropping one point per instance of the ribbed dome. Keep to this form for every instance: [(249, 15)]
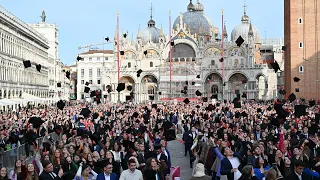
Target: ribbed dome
[(197, 21), (243, 30), (152, 33)]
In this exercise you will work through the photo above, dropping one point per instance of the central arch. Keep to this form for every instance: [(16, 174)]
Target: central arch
[(149, 87), (183, 50), (129, 90), (237, 83), (213, 85)]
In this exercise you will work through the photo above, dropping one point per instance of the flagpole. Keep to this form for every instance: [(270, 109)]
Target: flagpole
[(222, 54), (170, 36), (118, 53)]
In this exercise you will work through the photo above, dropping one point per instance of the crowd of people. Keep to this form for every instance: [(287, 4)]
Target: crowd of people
[(259, 140)]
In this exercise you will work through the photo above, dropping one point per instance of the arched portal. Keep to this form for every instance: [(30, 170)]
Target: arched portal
[(129, 90), (261, 86), (149, 87), (213, 85), (237, 84)]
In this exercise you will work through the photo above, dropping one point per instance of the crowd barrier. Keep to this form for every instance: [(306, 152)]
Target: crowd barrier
[(9, 157), (175, 173)]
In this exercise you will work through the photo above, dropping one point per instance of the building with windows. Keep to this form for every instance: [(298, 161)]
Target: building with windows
[(301, 37), (19, 42), (196, 51), (56, 75), (93, 69)]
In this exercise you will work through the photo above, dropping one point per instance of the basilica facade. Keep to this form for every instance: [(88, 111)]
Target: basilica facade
[(196, 52)]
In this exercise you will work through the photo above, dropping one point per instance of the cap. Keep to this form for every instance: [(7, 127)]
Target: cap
[(68, 74), (292, 97), (38, 67), (129, 87), (121, 53), (159, 93), (121, 87), (297, 89), (58, 84), (60, 105), (87, 83), (78, 58), (259, 110), (269, 108), (221, 59), (145, 52), (284, 48), (244, 95), (198, 76), (92, 93), (139, 72), (275, 66), (244, 114), (36, 121), (224, 84), (172, 43), (239, 41), (85, 112), (86, 89), (197, 106), (205, 99), (312, 102), (184, 91), (125, 35), (198, 93), (26, 64), (157, 146), (107, 39), (236, 103), (210, 107), (193, 83), (95, 116), (186, 100), (296, 79), (97, 100)]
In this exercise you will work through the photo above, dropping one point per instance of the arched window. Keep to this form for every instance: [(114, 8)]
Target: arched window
[(301, 69), (151, 64), (213, 63), (129, 64), (214, 89)]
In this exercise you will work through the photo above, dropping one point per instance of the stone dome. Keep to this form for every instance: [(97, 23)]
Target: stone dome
[(196, 20), (243, 30), (152, 33)]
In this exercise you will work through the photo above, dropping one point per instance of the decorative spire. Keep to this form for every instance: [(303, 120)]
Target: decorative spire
[(132, 40), (139, 33), (245, 17), (161, 32), (250, 33), (151, 22), (190, 6)]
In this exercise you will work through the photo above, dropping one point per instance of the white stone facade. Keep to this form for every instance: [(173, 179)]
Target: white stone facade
[(18, 42), (195, 52)]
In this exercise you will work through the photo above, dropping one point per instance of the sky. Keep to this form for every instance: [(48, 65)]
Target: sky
[(85, 22)]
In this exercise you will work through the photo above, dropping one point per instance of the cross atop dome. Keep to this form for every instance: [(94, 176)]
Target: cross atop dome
[(245, 17), (151, 11), (151, 22), (245, 7)]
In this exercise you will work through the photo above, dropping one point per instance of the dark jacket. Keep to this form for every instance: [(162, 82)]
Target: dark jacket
[(293, 176), (226, 167)]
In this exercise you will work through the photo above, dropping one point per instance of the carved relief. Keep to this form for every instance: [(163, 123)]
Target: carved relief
[(151, 54), (128, 55)]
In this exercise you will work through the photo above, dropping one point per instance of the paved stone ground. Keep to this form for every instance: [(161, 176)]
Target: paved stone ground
[(176, 149)]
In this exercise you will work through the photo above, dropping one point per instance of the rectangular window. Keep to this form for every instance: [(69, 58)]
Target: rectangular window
[(98, 82), (82, 81), (300, 20), (106, 58), (82, 72), (90, 81), (98, 58), (90, 72), (98, 72), (90, 59), (82, 96)]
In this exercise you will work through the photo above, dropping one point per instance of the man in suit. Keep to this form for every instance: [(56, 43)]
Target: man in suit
[(298, 174), (107, 174), (48, 174), (230, 165)]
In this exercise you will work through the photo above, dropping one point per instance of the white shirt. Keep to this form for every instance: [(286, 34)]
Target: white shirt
[(235, 164), (129, 175), (106, 177)]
